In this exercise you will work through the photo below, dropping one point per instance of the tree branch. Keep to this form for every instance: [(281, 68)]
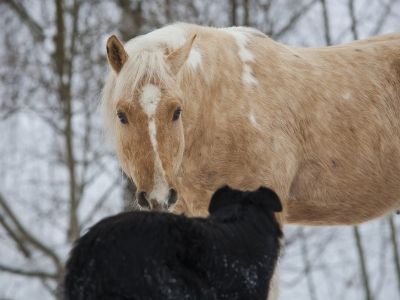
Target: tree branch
[(132, 18), (293, 20), (246, 9), (28, 236), (28, 273), (396, 255), (103, 198), (233, 15), (363, 264), (307, 265), (353, 19), (327, 31), (383, 17), (14, 236), (34, 27)]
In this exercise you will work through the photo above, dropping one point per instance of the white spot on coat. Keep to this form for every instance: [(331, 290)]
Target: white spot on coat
[(253, 120), (247, 75), (245, 55), (347, 96)]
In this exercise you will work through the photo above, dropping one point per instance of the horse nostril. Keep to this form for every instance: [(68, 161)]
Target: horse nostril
[(142, 200), (172, 197)]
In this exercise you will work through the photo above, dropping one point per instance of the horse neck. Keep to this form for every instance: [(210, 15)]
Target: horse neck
[(209, 92), (219, 109)]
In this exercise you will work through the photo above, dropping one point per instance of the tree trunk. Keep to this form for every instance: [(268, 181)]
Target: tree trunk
[(62, 65), (327, 30), (363, 265), (233, 15), (246, 16), (307, 265), (353, 19), (131, 18), (394, 242)]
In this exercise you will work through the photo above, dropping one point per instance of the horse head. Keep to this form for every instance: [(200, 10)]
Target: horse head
[(144, 109)]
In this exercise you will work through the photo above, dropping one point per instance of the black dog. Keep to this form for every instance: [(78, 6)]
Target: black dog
[(156, 256)]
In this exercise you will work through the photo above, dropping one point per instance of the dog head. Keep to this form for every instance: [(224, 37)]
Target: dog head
[(264, 198)]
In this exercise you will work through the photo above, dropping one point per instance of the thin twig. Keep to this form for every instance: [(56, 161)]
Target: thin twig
[(100, 202), (28, 273), (34, 27), (327, 31), (396, 256), (29, 236), (14, 236), (363, 264), (353, 19), (384, 16), (293, 20)]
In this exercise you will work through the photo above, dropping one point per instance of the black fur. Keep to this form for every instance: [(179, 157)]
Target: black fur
[(153, 256)]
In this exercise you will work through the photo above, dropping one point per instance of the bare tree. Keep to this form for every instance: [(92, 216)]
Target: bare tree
[(294, 16), (36, 29), (233, 12), (246, 14), (363, 264), (394, 243), (353, 20), (132, 17), (65, 108), (52, 68), (307, 264), (327, 30)]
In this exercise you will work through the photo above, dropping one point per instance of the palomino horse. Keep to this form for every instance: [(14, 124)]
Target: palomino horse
[(194, 108)]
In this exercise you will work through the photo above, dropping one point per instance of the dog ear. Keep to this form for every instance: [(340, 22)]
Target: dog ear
[(223, 197), (267, 198)]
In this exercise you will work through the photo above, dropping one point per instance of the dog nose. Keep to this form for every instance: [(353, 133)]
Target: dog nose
[(172, 197), (142, 200)]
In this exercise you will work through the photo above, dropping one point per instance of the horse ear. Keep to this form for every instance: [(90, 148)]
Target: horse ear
[(116, 53), (177, 58)]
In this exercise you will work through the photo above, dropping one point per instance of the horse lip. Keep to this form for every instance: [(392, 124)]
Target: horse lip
[(155, 205)]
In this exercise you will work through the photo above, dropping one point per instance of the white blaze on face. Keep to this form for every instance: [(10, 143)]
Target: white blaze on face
[(149, 100)]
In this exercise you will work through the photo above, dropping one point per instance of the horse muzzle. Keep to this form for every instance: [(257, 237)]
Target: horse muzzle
[(155, 205)]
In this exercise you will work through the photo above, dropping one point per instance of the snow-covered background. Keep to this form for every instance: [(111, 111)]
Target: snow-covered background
[(58, 175)]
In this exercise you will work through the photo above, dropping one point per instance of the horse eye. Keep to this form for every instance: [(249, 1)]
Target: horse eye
[(177, 113), (122, 117)]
